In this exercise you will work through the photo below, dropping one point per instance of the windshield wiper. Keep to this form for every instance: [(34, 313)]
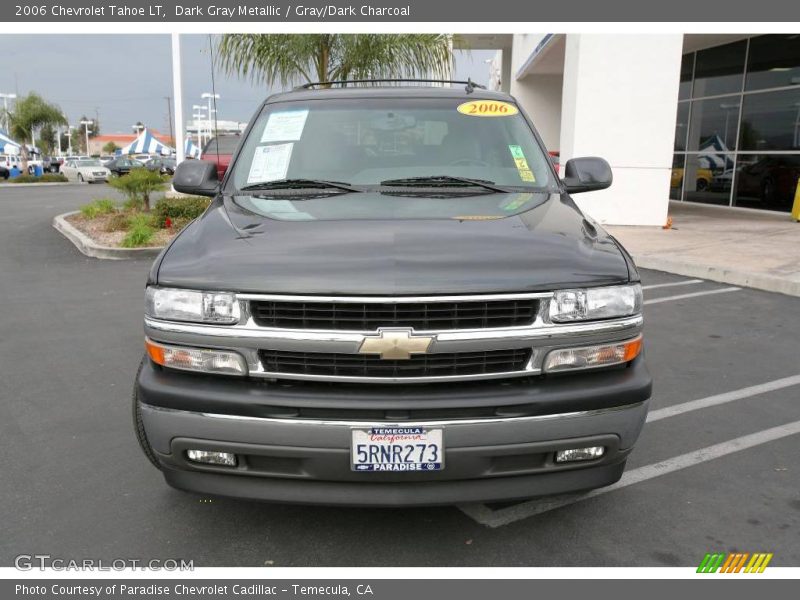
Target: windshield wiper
[(295, 184), (444, 180)]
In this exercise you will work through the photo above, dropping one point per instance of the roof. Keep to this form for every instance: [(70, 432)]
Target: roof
[(393, 91), (125, 137)]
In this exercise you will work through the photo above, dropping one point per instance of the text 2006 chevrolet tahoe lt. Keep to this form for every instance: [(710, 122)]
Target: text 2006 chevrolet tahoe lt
[(391, 300)]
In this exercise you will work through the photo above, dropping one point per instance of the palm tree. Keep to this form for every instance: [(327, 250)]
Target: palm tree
[(287, 59), (32, 112)]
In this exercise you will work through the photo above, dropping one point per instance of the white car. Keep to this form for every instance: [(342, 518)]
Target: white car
[(10, 160), (89, 170)]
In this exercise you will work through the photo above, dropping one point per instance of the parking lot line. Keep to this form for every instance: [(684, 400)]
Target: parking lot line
[(753, 390), (656, 286), (692, 295), (505, 516)]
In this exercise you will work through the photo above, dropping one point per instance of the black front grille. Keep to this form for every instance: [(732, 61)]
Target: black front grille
[(370, 316), (419, 365)]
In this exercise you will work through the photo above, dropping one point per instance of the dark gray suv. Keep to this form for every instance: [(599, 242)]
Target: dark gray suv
[(391, 300)]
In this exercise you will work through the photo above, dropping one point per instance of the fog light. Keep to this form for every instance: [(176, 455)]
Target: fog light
[(577, 454), (591, 357), (225, 459)]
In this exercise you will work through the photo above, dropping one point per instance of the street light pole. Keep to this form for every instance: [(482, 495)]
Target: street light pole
[(198, 114), (6, 98), (177, 92), (86, 126), (210, 97)]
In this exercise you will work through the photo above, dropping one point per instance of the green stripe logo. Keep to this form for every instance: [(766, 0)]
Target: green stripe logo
[(711, 562)]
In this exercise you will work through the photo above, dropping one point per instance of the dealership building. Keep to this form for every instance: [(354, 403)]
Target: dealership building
[(711, 119)]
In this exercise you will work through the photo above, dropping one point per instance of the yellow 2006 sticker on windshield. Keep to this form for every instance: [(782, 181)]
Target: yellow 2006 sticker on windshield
[(487, 108)]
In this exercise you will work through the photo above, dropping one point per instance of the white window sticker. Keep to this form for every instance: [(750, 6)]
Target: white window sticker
[(285, 126), (270, 163)]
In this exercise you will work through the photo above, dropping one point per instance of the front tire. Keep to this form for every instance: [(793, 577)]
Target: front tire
[(80, 178), (138, 425)]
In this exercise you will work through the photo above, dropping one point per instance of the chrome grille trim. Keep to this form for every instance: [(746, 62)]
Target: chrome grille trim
[(247, 337), (396, 299)]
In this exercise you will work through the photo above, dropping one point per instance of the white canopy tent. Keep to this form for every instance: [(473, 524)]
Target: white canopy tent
[(146, 143)]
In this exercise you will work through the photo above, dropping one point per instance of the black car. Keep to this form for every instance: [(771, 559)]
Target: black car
[(165, 166), (392, 299), (122, 166)]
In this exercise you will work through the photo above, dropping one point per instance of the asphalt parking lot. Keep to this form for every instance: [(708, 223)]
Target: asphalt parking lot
[(716, 467)]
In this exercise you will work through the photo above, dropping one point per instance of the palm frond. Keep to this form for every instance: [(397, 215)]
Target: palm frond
[(288, 59)]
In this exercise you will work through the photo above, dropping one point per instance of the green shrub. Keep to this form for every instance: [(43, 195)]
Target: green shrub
[(119, 222), (103, 206), (138, 185), (46, 178), (140, 232), (133, 204), (180, 209)]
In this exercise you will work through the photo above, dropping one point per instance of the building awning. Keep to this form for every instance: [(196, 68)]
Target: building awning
[(7, 145)]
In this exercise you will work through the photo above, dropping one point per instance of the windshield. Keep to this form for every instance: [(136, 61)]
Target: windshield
[(368, 142), (89, 163)]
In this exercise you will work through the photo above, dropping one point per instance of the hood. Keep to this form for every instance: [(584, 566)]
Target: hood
[(549, 244)]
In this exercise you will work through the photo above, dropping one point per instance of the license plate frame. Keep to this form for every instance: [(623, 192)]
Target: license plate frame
[(397, 449)]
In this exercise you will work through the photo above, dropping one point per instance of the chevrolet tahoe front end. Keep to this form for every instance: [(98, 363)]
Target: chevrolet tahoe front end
[(391, 338)]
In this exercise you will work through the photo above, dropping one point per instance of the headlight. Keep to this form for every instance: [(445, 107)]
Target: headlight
[(188, 305), (595, 303)]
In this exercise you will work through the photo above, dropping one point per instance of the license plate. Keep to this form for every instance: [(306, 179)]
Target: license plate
[(397, 449)]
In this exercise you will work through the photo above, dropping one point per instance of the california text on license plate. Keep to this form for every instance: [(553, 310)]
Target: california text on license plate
[(397, 449)]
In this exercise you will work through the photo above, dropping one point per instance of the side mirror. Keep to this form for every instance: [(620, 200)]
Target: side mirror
[(587, 174), (196, 177)]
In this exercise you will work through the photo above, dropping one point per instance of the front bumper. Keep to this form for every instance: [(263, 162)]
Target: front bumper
[(307, 460)]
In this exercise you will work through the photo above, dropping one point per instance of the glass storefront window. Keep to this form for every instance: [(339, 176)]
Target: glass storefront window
[(771, 121), (676, 178), (708, 177), (719, 70), (714, 124), (681, 126), (687, 70), (767, 181), (773, 61), (736, 146)]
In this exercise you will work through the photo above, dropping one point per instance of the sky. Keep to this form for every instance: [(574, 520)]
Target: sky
[(126, 78)]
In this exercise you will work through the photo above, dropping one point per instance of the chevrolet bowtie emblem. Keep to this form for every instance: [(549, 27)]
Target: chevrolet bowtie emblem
[(395, 344)]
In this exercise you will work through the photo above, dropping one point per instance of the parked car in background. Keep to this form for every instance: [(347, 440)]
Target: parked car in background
[(89, 170), (702, 181), (51, 164), (219, 151), (769, 182), (122, 166), (10, 160), (721, 182), (106, 158), (555, 158), (164, 165)]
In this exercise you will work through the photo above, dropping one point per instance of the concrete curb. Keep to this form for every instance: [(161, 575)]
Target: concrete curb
[(758, 281), (91, 248), (22, 186)]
